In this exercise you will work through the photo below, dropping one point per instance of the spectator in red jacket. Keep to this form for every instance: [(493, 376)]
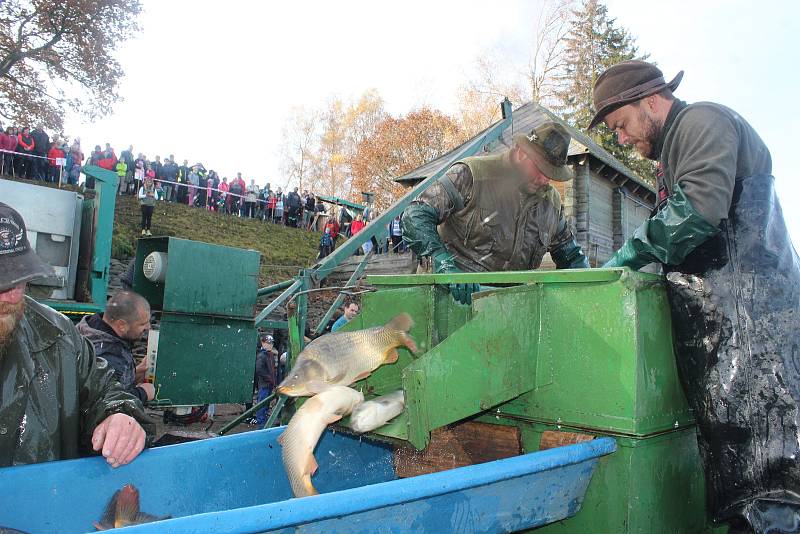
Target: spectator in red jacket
[(25, 145), (55, 153), (6, 145), (332, 226)]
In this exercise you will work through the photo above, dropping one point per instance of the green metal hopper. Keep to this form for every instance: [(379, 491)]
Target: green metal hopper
[(586, 351)]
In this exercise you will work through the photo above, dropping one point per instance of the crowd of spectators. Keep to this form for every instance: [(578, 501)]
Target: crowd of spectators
[(33, 155)]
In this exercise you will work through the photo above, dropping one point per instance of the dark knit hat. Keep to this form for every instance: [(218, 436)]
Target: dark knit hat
[(18, 261), (547, 145), (627, 82)]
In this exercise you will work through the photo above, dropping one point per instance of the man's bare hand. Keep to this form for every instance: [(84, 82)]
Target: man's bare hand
[(120, 438), (149, 389), (141, 369)]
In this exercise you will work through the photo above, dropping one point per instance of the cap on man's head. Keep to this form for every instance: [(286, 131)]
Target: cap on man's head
[(268, 338), (547, 146), (18, 261), (625, 83)]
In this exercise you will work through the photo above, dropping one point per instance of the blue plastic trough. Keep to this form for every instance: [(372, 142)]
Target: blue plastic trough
[(236, 484)]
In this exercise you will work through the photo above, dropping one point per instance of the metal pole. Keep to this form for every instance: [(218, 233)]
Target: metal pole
[(275, 287), (247, 413), (278, 301), (276, 411)]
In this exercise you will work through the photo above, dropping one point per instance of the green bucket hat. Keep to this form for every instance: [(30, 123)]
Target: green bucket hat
[(547, 145)]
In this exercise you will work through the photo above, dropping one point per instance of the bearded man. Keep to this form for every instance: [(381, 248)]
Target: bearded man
[(733, 284), (57, 401)]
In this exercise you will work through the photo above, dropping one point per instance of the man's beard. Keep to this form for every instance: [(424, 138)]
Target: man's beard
[(652, 132), (10, 317)]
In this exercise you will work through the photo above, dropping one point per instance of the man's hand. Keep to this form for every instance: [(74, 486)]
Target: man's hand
[(141, 369), (120, 438), (149, 389)]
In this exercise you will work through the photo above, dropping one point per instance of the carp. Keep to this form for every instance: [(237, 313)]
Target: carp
[(341, 358), (123, 510), (304, 430), (377, 412)]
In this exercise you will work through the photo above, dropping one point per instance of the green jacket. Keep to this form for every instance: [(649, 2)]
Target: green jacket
[(54, 392)]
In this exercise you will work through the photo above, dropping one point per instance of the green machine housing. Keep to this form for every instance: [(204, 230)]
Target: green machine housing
[(206, 296), (586, 351)]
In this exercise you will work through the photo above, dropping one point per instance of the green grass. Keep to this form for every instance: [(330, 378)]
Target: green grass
[(283, 250)]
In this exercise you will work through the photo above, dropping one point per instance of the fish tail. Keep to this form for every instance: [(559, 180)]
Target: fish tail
[(402, 323), (308, 486)]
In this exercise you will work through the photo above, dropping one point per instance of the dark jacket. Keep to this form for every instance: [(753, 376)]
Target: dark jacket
[(705, 147), (309, 203), (55, 392), (292, 200), (115, 350), (266, 368), (42, 142), (170, 171)]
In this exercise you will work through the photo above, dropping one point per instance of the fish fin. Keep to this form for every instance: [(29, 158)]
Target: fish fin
[(148, 518), (402, 322), (311, 467), (332, 418), (99, 526), (107, 521), (127, 504), (391, 356), (281, 438), (409, 343), (362, 376), (309, 487)]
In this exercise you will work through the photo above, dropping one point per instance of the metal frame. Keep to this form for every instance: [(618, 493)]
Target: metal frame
[(317, 273)]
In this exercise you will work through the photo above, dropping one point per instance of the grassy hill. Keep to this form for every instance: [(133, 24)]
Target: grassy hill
[(283, 250)]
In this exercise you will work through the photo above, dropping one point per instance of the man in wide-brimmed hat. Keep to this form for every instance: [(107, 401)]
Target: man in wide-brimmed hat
[(497, 212), (58, 402), (733, 284)]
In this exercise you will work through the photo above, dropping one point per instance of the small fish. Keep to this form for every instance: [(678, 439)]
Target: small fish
[(377, 412), (304, 430), (123, 510), (341, 358)]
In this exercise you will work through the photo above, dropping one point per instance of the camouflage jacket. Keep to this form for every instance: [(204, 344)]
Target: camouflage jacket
[(490, 221)]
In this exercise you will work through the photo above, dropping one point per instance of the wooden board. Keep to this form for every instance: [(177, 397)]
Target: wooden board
[(459, 445), (554, 438)]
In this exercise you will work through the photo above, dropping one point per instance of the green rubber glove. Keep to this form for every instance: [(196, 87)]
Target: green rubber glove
[(443, 262), (667, 237), (569, 256)]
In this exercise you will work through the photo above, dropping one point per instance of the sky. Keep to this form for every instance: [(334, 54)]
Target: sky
[(215, 81)]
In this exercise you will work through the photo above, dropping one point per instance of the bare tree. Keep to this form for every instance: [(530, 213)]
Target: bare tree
[(58, 55), (547, 57), (299, 147)]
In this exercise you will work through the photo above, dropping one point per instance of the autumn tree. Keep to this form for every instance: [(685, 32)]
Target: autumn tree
[(593, 44), (58, 56), (299, 148), (319, 144), (400, 145), (493, 79)]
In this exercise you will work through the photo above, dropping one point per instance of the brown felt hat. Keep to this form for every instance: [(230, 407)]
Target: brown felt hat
[(548, 145), (627, 82), (18, 261)]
